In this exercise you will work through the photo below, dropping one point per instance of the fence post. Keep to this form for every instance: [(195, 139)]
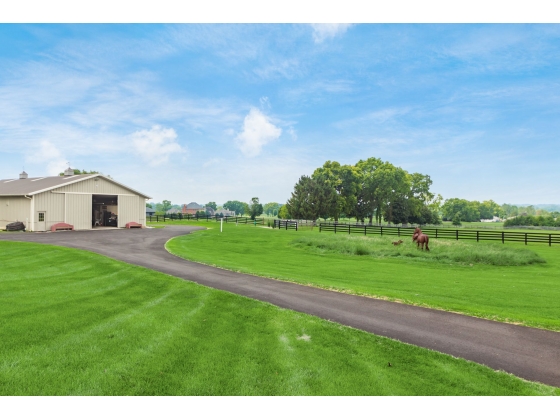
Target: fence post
[(503, 237), (335, 228), (365, 231), (457, 234), (296, 226), (320, 227), (436, 233), (477, 236), (399, 231), (381, 230), (525, 238), (550, 239), (349, 229)]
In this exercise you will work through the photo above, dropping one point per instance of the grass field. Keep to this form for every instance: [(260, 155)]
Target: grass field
[(526, 294), (77, 323)]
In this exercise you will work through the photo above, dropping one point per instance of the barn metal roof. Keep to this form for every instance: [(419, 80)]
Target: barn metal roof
[(32, 186)]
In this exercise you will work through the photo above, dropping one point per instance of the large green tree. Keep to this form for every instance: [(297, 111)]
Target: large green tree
[(382, 184), (344, 180), (283, 212), (166, 205), (468, 210), (370, 189), (311, 199), (256, 209), (212, 205), (271, 209), (238, 207), (489, 209)]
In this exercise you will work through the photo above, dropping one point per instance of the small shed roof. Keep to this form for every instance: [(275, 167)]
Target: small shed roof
[(32, 186)]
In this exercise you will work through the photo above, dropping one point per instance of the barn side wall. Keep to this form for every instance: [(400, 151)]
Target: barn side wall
[(142, 211), (14, 209), (53, 205), (128, 209)]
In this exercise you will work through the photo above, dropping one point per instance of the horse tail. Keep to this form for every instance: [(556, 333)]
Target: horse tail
[(427, 240)]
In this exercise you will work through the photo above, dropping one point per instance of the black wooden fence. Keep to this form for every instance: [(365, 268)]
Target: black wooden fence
[(285, 224), (439, 233), (227, 219)]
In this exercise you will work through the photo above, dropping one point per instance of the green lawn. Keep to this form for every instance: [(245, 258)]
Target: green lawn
[(77, 323), (526, 294)]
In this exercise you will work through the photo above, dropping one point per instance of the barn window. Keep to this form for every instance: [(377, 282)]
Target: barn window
[(41, 217)]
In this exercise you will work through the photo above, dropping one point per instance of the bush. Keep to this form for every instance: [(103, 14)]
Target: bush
[(457, 219)]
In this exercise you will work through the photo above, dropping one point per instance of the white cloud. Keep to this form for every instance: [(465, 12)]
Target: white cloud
[(292, 133), (212, 163), (280, 68), (49, 154), (156, 145), (324, 31), (257, 132), (265, 103)]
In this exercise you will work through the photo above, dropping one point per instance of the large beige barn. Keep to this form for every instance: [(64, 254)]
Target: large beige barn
[(84, 201)]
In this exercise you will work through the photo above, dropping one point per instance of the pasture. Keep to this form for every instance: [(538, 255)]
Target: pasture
[(504, 282), (77, 323)]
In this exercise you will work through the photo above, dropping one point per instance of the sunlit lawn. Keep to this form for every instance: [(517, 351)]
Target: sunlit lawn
[(77, 323)]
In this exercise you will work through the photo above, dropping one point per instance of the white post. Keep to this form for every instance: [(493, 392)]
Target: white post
[(221, 224)]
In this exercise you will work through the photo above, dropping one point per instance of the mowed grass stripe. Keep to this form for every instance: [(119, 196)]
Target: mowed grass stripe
[(154, 334), (525, 294)]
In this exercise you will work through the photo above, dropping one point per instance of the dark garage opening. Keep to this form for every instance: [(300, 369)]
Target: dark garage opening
[(105, 211)]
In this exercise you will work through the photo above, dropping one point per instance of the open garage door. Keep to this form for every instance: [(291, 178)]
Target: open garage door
[(78, 210), (128, 209)]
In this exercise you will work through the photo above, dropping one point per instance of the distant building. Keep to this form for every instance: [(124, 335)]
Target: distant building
[(150, 211), (209, 211), (225, 213), (173, 211), (493, 219), (193, 207)]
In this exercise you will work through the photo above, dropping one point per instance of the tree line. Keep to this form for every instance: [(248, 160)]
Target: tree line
[(370, 189), (240, 208), (459, 210), (552, 219)]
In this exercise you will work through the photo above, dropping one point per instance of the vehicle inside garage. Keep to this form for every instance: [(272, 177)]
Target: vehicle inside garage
[(105, 211)]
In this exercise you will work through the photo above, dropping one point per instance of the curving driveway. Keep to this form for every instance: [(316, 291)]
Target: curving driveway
[(529, 353)]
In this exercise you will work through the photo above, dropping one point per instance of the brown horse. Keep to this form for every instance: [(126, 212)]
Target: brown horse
[(420, 238)]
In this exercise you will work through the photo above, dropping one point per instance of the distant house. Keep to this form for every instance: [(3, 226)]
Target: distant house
[(493, 219), (193, 207), (225, 213), (210, 211), (150, 212), (173, 211)]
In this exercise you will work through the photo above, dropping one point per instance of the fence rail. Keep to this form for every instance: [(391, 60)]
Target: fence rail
[(442, 233), (285, 224), (227, 219)]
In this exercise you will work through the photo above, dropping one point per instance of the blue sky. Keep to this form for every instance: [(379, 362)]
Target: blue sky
[(199, 112)]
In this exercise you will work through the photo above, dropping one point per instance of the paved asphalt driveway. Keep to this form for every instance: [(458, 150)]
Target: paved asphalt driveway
[(529, 353)]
